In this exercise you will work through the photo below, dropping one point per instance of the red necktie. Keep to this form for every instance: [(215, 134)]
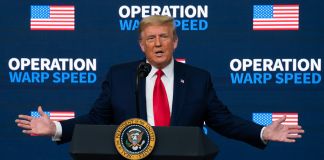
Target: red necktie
[(160, 102)]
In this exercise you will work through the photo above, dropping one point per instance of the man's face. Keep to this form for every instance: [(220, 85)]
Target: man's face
[(158, 43)]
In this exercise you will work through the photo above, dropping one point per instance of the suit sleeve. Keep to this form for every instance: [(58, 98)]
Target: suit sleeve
[(220, 119), (100, 113)]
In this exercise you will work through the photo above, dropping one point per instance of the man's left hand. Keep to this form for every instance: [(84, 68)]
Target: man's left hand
[(282, 133)]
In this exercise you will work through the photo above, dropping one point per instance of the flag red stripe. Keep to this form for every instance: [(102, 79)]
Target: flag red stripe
[(286, 5)]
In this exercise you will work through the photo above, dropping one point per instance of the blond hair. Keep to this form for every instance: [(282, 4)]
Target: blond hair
[(157, 20)]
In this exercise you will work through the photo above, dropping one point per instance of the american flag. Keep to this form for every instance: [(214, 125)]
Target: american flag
[(55, 115), (276, 17), (181, 60), (267, 118), (50, 17)]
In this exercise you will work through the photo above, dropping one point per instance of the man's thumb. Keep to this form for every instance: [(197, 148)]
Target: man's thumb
[(40, 111), (280, 120)]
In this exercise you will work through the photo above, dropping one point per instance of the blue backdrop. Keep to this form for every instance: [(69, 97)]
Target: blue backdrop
[(226, 34)]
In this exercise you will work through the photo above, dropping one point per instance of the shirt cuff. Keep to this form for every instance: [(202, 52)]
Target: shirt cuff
[(264, 141), (58, 132)]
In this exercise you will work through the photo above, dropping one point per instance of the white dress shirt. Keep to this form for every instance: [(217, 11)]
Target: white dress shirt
[(167, 80)]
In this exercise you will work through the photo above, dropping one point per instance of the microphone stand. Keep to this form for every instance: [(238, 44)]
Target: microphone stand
[(143, 70), (137, 97)]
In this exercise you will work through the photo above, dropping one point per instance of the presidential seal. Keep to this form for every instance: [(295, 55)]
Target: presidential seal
[(134, 139)]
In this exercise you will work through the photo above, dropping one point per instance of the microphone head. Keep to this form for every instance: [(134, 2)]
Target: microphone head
[(143, 69)]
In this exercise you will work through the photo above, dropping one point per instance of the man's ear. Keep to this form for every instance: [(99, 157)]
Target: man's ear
[(140, 42), (175, 43)]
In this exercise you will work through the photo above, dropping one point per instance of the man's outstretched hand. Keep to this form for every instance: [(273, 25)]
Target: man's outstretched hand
[(41, 126), (282, 133)]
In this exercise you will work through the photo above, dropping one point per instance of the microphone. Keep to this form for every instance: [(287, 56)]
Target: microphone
[(143, 70)]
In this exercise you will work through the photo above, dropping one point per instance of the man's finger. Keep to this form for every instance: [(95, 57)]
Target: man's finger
[(294, 136), (294, 127), (22, 121), (28, 132), (24, 126), (290, 140), (26, 117), (293, 131)]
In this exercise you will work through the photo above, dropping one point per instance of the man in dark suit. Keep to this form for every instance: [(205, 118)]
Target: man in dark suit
[(175, 94)]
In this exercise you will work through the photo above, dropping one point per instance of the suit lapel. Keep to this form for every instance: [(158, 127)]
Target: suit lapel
[(178, 92)]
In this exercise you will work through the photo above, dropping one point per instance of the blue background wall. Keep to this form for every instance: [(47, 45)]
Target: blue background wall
[(98, 35)]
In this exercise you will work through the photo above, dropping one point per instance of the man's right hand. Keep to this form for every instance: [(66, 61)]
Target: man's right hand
[(41, 126)]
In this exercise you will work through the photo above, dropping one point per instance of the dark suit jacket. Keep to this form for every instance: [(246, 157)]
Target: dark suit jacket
[(194, 102)]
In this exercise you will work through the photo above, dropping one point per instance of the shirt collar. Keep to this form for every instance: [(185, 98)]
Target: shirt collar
[(167, 70)]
